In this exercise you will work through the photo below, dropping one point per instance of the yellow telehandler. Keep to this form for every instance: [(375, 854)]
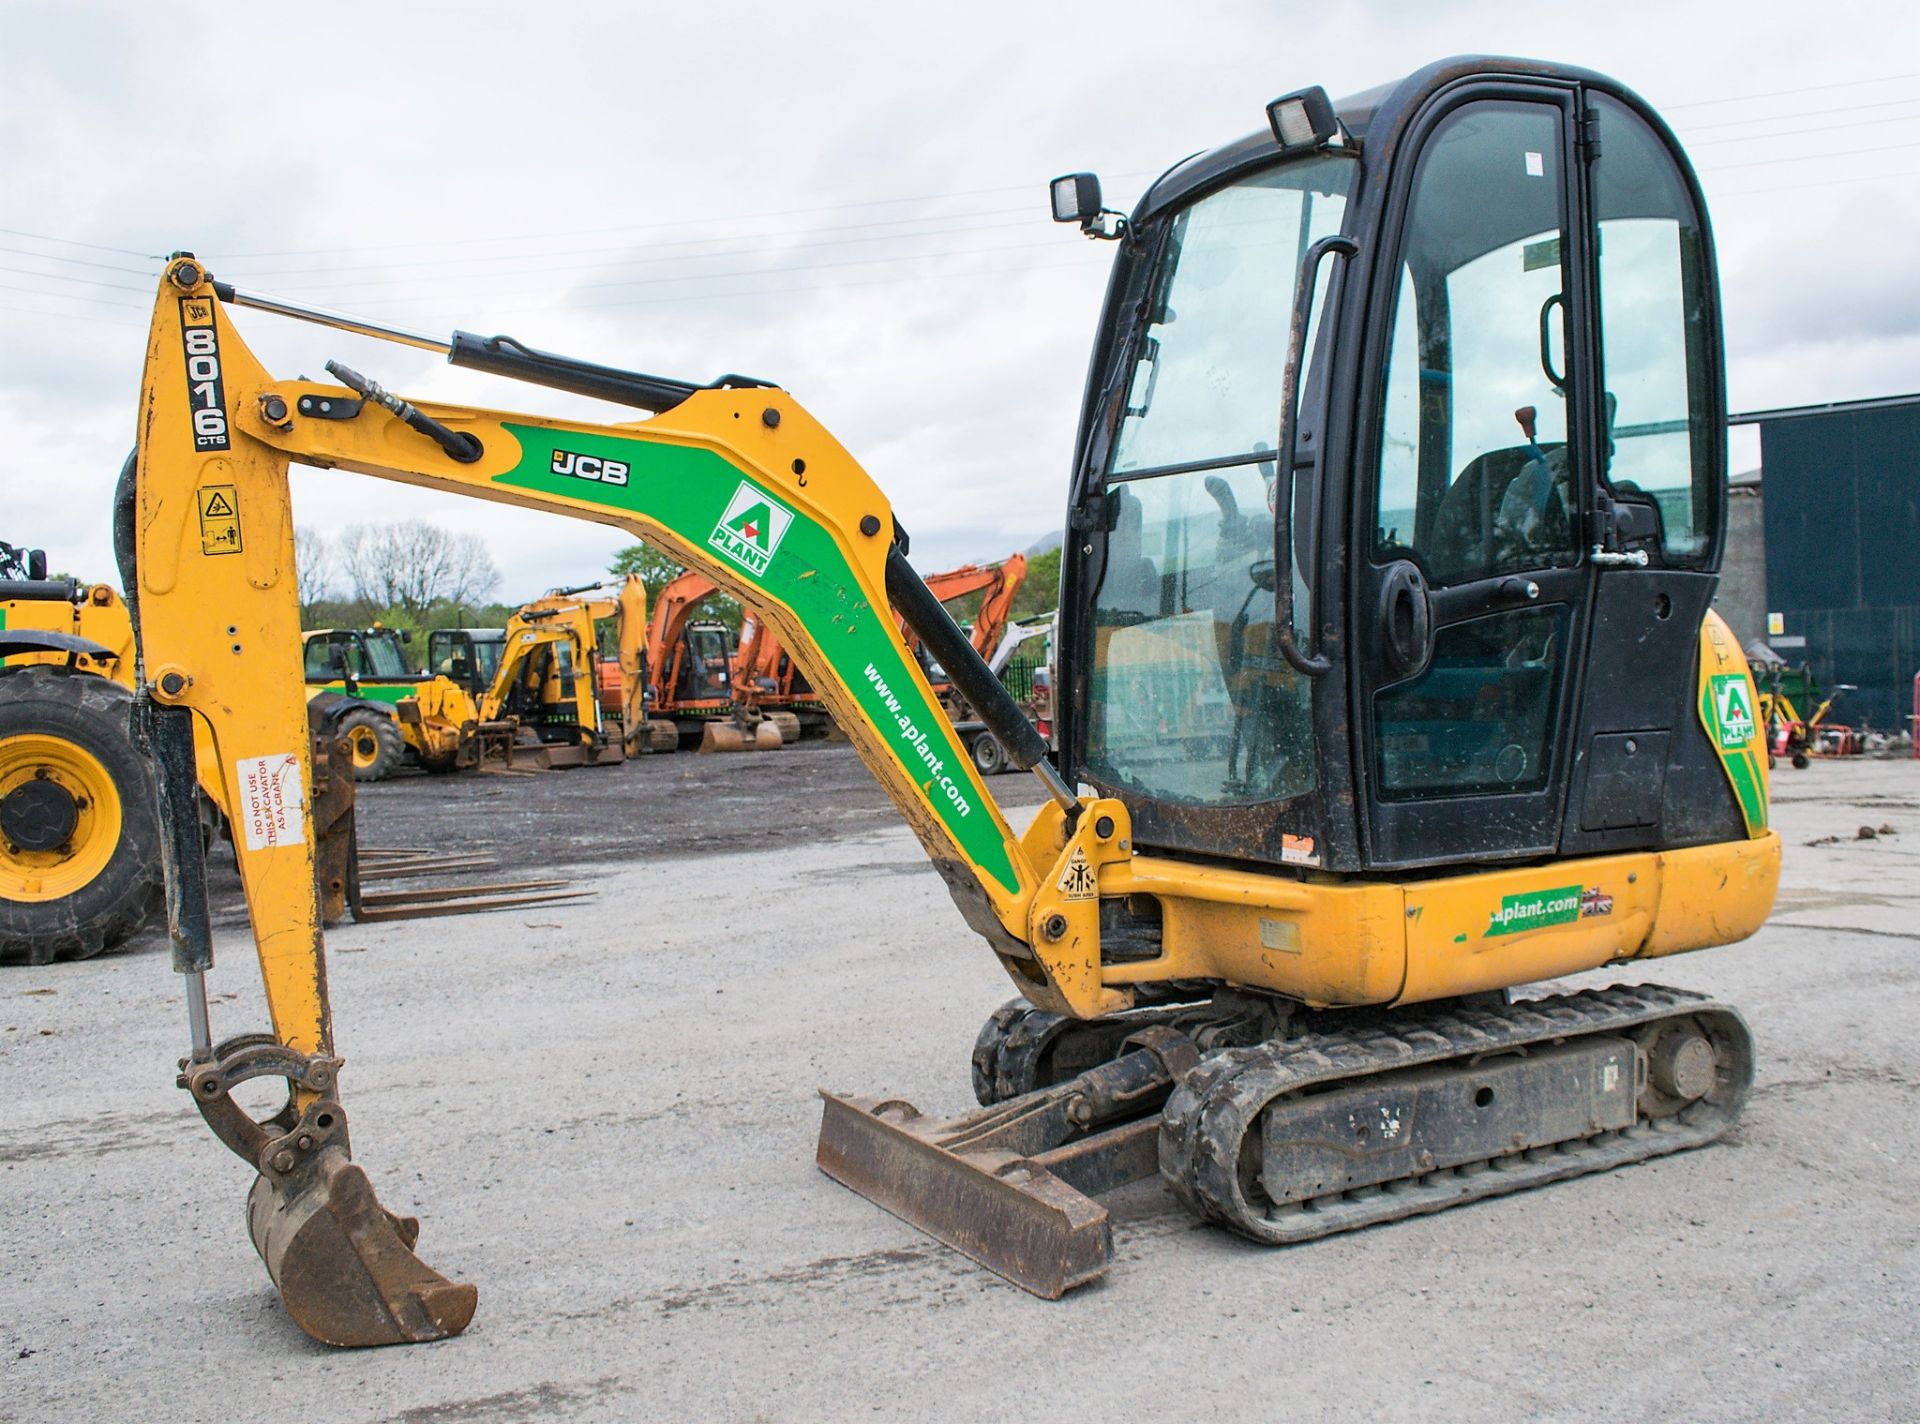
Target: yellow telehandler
[(1377, 700)]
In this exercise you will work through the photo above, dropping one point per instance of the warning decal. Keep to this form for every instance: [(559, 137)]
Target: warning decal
[(219, 519), (1076, 879), (271, 794)]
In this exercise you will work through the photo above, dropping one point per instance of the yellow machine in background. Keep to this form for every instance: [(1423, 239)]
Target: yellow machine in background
[(79, 846), (531, 692), (367, 666), (1363, 738)]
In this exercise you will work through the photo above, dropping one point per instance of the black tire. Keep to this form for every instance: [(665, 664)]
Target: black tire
[(364, 727), (91, 713), (988, 755), (1801, 761)]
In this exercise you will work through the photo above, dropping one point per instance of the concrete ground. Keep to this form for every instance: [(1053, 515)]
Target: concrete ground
[(605, 1115)]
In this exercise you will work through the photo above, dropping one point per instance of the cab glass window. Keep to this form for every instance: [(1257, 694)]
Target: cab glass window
[(1655, 337), (1476, 477), (1205, 384)]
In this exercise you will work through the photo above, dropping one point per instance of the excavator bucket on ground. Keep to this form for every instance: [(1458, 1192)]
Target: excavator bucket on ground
[(762, 736), (344, 1264)]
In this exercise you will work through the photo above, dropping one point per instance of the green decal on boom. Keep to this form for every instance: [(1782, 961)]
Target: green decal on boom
[(702, 497)]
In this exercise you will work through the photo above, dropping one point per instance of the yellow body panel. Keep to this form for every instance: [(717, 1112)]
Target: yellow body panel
[(100, 616)]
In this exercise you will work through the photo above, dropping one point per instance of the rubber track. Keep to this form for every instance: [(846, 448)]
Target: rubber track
[(1212, 1111)]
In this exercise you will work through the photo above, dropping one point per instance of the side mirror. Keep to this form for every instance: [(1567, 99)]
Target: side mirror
[(1076, 198), (37, 562)]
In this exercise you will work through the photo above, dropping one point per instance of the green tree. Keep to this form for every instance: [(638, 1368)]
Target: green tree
[(656, 571), (1041, 591)]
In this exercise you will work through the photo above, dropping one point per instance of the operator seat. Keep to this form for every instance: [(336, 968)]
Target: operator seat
[(1466, 541)]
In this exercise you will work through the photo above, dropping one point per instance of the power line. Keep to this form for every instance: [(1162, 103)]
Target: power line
[(79, 281), (761, 294), (1803, 114), (1795, 133), (1783, 93), (1827, 156), (1720, 197), (615, 261), (750, 272), (649, 227), (75, 242), (78, 261), (70, 296)]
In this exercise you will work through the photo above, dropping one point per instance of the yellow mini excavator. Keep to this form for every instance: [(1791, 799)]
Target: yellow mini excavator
[(1378, 697)]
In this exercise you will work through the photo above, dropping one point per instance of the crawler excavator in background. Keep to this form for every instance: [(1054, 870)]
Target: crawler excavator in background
[(998, 585), (1373, 708), (695, 677), (782, 689)]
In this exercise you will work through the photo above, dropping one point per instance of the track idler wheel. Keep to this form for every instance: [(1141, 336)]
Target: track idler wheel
[(344, 1265)]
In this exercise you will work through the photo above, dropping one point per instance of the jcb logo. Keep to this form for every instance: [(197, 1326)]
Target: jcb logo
[(590, 467)]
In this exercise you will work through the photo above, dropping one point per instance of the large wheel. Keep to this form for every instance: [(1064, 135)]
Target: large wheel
[(988, 754), (79, 841), (375, 741)]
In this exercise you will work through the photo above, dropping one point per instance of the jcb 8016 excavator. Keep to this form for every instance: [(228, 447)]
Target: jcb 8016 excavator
[(1375, 702)]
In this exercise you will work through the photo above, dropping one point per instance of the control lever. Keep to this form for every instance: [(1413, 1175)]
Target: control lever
[(457, 443)]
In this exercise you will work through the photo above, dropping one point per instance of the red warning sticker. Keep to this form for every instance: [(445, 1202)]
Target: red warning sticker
[(271, 794)]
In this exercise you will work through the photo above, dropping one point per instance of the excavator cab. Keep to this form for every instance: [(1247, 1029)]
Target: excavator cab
[(1446, 356), (468, 657)]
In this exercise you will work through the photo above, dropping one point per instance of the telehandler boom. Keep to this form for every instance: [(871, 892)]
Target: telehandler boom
[(1380, 698)]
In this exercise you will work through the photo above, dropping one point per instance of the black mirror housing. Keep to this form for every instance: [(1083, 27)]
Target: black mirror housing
[(36, 563), (1076, 198)]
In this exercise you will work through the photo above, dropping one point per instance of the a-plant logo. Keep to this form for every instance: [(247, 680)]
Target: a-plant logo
[(1534, 910), (750, 530), (1733, 710)]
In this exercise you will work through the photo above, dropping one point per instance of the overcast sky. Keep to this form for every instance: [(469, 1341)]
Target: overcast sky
[(846, 199)]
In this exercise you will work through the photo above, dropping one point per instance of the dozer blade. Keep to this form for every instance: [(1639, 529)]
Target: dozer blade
[(1012, 1185), (345, 1265), (1006, 1212)]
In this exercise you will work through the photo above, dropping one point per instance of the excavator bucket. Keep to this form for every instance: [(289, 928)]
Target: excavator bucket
[(344, 1265), (788, 724), (761, 736), (723, 737)]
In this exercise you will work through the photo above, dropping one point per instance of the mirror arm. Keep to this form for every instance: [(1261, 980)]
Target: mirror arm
[(1307, 664)]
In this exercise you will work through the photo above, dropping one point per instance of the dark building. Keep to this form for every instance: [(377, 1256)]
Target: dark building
[(1841, 510)]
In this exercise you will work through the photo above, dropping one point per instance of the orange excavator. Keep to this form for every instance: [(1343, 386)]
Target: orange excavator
[(694, 677), (1000, 584), (780, 688)]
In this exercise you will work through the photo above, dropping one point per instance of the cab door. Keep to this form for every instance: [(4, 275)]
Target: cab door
[(1472, 606)]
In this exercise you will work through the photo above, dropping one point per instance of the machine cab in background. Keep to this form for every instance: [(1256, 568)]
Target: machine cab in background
[(467, 656), (1491, 289)]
